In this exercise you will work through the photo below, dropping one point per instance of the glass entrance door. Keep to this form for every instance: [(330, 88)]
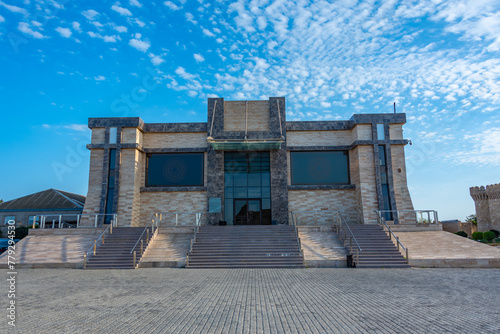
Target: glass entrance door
[(247, 188), (247, 212)]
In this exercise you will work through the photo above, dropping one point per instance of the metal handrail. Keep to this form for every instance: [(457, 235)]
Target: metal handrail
[(435, 219), (149, 238), (197, 222), (42, 219), (94, 245), (382, 220), (196, 230), (338, 221), (341, 219)]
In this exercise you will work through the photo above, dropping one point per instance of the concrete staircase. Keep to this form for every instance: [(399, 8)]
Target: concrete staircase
[(246, 246), (378, 250), (115, 252)]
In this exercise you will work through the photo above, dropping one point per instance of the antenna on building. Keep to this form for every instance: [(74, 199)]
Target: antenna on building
[(394, 107)]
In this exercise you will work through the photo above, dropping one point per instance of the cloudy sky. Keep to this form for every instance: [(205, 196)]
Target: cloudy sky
[(65, 61)]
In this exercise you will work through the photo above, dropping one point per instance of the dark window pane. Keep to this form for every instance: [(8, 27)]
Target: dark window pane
[(266, 179), (240, 192), (112, 159), (387, 201), (328, 167), (381, 154), (254, 180), (254, 192), (109, 200), (240, 180), (183, 169)]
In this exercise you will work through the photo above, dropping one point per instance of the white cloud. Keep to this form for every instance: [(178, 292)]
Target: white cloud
[(75, 127), (2, 19), (171, 5), (198, 57), (25, 28), (135, 3), (208, 33), (14, 9), (139, 23), (156, 60), (76, 26), (99, 78), (90, 14), (325, 104), (64, 32), (120, 10), (120, 28), (181, 71), (140, 45), (107, 39)]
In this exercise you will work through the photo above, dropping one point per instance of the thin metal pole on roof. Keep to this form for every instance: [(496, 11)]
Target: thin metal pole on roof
[(279, 117), (213, 116), (246, 119)]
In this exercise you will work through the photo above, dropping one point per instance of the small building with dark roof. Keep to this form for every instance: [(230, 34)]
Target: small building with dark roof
[(55, 202)]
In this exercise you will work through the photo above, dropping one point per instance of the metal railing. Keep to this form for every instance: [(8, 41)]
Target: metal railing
[(74, 220), (409, 217), (344, 232), (318, 218), (382, 222), (97, 242), (180, 218), (150, 236)]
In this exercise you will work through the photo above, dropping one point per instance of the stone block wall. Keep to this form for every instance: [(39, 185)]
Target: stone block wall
[(401, 191), (344, 201), (129, 204), (319, 138), (362, 132), (257, 115), (487, 201), (175, 201), (92, 203), (175, 140)]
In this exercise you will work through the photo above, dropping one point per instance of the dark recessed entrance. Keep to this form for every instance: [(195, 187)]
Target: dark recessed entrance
[(247, 212), (247, 188)]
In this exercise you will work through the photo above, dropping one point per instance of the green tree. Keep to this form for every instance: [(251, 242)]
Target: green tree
[(471, 219)]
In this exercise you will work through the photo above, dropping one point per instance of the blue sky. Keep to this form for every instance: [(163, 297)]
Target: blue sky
[(65, 61)]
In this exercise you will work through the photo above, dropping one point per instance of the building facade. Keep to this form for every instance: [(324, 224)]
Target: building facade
[(487, 201), (248, 165)]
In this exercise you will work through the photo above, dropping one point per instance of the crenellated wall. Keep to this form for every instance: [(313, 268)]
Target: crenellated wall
[(487, 201)]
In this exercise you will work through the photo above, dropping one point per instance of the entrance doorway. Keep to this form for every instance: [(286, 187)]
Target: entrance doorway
[(247, 212), (247, 188)]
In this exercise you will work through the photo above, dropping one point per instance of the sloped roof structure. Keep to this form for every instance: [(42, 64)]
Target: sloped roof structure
[(50, 199)]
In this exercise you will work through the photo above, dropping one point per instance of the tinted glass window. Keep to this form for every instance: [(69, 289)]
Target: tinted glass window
[(329, 167), (183, 169)]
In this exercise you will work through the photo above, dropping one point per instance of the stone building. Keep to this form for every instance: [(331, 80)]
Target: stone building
[(487, 201), (248, 165)]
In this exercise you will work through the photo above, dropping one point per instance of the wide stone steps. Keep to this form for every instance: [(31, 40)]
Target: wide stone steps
[(246, 247), (378, 251), (115, 252)]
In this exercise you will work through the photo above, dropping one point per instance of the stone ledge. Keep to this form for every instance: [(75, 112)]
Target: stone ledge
[(172, 189), (323, 187)]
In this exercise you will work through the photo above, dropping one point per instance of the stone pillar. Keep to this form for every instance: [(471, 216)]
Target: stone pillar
[(278, 162), (215, 159)]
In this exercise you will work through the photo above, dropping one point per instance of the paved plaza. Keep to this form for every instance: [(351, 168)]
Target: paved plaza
[(255, 301)]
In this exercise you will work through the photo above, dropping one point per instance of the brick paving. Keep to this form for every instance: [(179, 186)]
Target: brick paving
[(255, 301)]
